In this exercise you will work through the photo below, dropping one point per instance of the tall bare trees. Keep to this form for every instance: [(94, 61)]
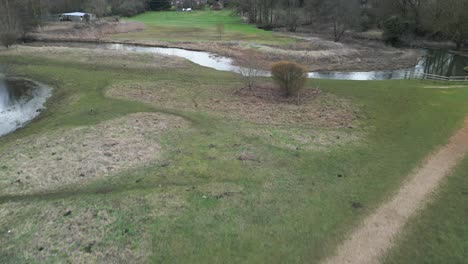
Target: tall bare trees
[(344, 14), (10, 26), (449, 17)]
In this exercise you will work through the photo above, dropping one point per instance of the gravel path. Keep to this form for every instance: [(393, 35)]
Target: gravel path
[(369, 242)]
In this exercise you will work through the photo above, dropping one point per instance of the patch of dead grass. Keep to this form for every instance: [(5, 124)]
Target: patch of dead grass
[(82, 154), (102, 231), (85, 31), (111, 58), (264, 105)]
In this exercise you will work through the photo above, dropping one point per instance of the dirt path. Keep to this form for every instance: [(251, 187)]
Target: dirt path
[(375, 236)]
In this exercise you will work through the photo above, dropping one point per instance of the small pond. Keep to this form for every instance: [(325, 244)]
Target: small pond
[(20, 101)]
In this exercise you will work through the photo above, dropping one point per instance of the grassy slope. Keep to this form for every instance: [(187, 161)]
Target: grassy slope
[(293, 208), (438, 234), (198, 26)]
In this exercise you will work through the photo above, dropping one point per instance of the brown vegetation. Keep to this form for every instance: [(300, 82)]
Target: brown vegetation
[(83, 31), (265, 104), (290, 77), (83, 154)]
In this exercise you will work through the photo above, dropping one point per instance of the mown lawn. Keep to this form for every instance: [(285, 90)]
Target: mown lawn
[(199, 26), (286, 205)]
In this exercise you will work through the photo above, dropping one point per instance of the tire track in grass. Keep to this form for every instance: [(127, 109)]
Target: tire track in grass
[(370, 241)]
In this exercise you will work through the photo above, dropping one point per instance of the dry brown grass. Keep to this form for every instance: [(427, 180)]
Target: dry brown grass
[(111, 58), (83, 154), (75, 231), (84, 31), (265, 105)]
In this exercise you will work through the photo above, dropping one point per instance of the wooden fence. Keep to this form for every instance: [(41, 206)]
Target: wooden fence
[(433, 77)]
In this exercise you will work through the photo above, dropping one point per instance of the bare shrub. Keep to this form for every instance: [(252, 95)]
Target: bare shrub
[(290, 76), (11, 25), (8, 38), (220, 30), (249, 69)]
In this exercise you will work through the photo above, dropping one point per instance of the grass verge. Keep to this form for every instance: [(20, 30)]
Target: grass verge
[(199, 26), (219, 191)]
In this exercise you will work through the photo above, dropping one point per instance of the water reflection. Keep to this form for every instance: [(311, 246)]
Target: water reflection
[(20, 102), (439, 62)]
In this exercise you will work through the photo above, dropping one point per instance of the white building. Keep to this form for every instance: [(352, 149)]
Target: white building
[(77, 17)]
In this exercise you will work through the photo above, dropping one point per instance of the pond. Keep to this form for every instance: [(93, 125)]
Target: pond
[(20, 101)]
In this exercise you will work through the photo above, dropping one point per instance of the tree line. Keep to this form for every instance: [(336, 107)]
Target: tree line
[(17, 17), (437, 19), (400, 19)]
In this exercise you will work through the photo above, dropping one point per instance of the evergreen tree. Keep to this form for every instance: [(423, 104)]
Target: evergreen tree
[(157, 5)]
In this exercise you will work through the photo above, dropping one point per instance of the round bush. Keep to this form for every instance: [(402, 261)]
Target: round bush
[(466, 68), (290, 76)]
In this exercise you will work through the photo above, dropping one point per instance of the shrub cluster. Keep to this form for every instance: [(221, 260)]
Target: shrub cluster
[(394, 29), (8, 38), (290, 76)]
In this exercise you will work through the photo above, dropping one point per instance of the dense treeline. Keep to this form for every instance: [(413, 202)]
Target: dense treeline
[(400, 19), (17, 17), (440, 19)]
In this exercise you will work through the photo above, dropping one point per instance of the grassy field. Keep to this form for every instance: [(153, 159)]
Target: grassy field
[(438, 234), (199, 26), (256, 186)]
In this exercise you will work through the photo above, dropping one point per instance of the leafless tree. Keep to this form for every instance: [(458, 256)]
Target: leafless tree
[(10, 27), (98, 7), (249, 70), (449, 17), (220, 30)]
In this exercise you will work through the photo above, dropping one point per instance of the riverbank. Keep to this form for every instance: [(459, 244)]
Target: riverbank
[(239, 41)]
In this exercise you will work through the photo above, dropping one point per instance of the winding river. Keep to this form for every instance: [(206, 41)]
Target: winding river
[(434, 61), (21, 100), (439, 62)]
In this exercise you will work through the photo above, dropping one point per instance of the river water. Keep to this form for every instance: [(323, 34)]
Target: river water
[(438, 62), (20, 101)]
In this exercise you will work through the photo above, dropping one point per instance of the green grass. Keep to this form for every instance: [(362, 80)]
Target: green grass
[(199, 26), (439, 233), (292, 207)]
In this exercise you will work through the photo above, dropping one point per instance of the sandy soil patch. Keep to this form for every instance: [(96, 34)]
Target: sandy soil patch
[(265, 105), (82, 154), (369, 242)]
